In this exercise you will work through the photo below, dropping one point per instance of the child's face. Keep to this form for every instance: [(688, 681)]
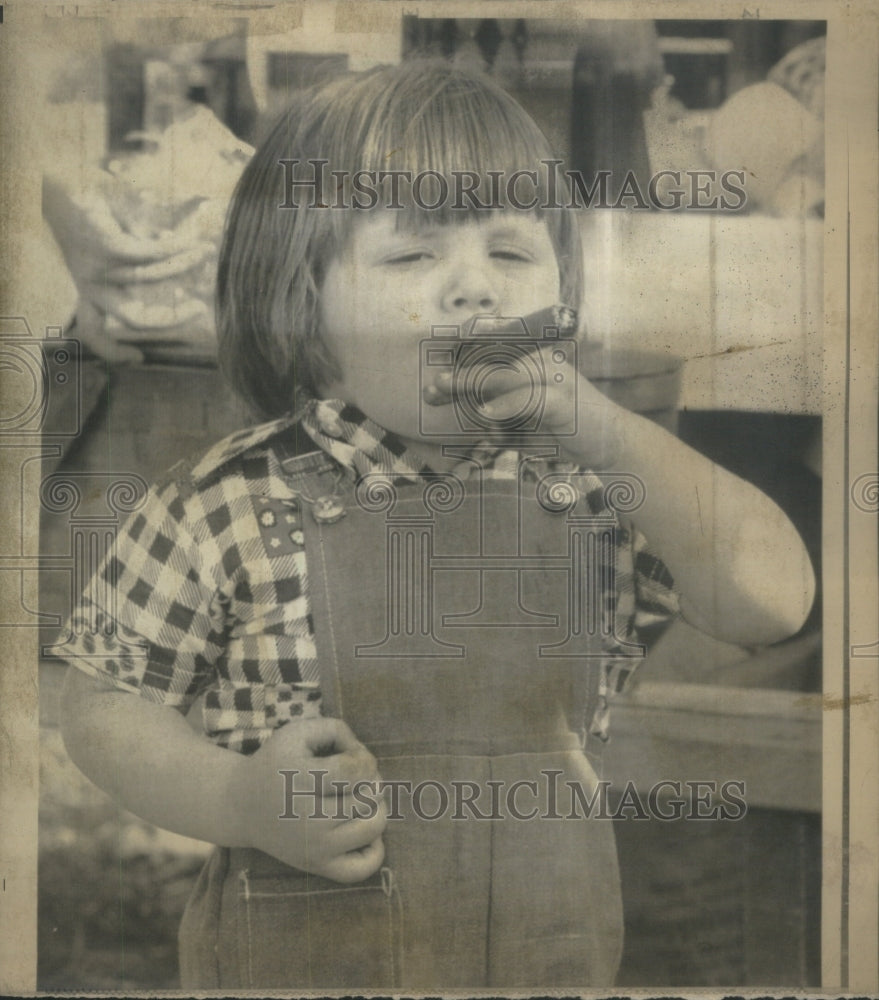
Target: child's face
[(386, 290)]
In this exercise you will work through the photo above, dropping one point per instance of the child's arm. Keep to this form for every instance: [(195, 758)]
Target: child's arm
[(155, 764), (739, 564)]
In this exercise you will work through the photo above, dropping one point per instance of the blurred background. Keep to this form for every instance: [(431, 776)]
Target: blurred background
[(708, 321)]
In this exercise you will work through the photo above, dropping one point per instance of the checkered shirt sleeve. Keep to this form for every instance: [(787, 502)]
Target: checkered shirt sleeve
[(205, 593), (645, 603), (149, 622), (657, 602), (639, 597)]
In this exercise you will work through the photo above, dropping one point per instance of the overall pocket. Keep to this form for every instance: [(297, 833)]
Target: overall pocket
[(301, 931)]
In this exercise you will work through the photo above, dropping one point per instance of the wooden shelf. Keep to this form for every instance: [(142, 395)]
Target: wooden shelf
[(770, 740)]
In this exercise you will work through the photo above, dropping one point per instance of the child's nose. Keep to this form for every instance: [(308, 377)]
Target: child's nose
[(470, 290)]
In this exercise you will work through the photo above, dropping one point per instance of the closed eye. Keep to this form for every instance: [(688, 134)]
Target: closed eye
[(409, 257), (514, 254)]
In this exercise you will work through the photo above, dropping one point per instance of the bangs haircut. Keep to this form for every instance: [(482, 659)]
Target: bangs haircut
[(423, 117)]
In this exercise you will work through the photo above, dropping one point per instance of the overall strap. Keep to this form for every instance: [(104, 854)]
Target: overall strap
[(315, 476)]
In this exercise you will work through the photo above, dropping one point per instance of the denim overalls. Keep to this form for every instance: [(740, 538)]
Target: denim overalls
[(449, 628)]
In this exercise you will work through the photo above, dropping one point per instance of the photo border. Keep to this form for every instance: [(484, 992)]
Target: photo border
[(850, 870)]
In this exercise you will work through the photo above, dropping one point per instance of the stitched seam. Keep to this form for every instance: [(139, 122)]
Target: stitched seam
[(487, 973), (401, 966), (392, 896), (390, 912), (337, 685), (245, 879)]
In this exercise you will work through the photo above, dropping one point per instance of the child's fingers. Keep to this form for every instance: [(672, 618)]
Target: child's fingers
[(343, 738), (490, 380), (327, 735), (325, 746), (362, 800), (356, 833), (355, 866), (351, 767), (556, 413), (339, 752)]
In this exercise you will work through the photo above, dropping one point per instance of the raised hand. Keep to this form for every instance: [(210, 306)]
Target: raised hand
[(523, 389)]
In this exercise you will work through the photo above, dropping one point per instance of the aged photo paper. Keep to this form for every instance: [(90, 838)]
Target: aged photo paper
[(688, 260)]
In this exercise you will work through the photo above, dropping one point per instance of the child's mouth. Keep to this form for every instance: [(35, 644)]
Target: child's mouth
[(492, 342)]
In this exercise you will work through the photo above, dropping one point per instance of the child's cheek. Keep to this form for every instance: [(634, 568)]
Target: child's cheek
[(379, 358), (395, 389)]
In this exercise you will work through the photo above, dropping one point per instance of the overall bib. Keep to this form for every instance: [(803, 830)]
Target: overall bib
[(450, 628)]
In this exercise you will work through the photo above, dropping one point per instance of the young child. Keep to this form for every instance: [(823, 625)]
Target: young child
[(385, 636)]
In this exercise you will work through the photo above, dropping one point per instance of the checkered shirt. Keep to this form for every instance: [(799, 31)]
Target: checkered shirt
[(205, 591)]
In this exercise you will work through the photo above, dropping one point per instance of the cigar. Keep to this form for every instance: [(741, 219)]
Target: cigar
[(545, 324)]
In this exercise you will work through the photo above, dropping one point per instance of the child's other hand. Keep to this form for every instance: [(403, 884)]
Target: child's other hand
[(582, 419), (334, 831)]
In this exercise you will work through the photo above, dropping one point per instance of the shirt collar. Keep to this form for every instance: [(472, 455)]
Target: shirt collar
[(238, 443), (360, 445), (339, 429), (363, 447)]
